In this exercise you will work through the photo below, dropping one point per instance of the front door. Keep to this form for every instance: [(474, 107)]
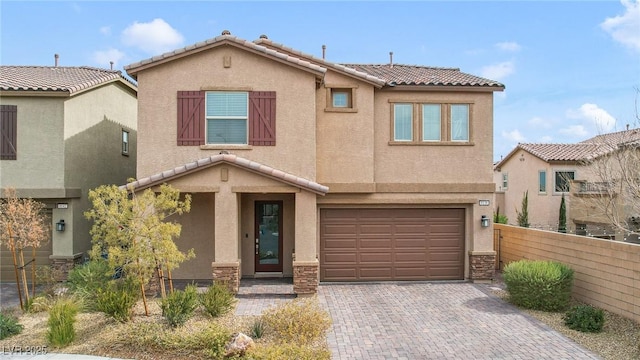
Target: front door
[(268, 251)]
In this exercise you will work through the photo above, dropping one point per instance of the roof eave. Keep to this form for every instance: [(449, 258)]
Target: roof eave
[(448, 87)]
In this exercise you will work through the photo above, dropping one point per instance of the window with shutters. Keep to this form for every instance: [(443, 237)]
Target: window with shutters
[(8, 132), (226, 117)]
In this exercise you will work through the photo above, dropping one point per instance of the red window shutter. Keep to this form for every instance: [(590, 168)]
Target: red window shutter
[(191, 118), (8, 132), (262, 118)]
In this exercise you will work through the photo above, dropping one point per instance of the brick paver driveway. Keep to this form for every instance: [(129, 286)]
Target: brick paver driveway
[(411, 320)]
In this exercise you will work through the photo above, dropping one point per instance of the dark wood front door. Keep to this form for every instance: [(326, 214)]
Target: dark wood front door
[(268, 246)]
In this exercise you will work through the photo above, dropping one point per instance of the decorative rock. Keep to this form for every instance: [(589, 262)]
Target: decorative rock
[(238, 345)]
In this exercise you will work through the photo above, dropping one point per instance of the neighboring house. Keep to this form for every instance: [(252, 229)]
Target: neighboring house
[(321, 171), (64, 131), (547, 171)]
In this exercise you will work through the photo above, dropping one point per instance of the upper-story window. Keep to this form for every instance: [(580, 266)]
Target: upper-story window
[(563, 179), (505, 181), (341, 98), (8, 132), (227, 117), (125, 142), (238, 118), (432, 122)]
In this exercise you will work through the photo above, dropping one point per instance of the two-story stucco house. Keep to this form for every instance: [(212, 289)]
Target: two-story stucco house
[(321, 171), (64, 131), (548, 171)]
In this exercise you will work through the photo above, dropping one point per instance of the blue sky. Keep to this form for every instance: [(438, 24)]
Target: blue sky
[(571, 69)]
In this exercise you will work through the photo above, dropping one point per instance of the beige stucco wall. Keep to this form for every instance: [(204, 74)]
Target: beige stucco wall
[(345, 144), (523, 176), (295, 149), (40, 153), (607, 273)]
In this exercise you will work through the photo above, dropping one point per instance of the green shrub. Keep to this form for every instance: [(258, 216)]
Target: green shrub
[(539, 285), (85, 280), (584, 318), (299, 321), (179, 306), (39, 303), (117, 299), (217, 300), (287, 351), (9, 326), (258, 328), (62, 317)]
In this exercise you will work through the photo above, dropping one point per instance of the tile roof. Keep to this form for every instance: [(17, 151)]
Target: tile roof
[(230, 159), (616, 138), (398, 74), (564, 152), (132, 69), (69, 79)]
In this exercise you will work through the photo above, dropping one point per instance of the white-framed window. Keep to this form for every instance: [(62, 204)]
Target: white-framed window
[(460, 122), (563, 179), (125, 142), (422, 123), (542, 181), (431, 122), (403, 122), (227, 117), (505, 181)]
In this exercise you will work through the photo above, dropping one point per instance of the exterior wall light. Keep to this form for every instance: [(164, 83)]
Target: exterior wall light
[(60, 225), (484, 221)]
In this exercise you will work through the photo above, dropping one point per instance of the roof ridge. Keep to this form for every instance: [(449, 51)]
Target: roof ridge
[(398, 64)]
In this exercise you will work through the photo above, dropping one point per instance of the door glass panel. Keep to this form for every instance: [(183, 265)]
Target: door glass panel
[(269, 233)]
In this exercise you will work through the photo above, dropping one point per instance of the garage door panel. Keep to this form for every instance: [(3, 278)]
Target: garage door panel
[(392, 244), (377, 273), (341, 258)]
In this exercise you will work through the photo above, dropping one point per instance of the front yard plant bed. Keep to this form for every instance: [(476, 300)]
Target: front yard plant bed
[(152, 337)]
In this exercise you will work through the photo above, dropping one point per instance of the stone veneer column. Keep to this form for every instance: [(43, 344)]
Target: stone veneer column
[(227, 273), (305, 277), (61, 265), (482, 265)]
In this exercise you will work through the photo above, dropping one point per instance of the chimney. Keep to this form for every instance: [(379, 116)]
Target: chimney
[(56, 57), (111, 63), (324, 50), (627, 126), (391, 58)]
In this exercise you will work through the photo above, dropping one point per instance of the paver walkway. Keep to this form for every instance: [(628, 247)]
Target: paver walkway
[(416, 320)]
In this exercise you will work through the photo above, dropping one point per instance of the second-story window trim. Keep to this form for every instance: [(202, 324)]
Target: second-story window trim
[(431, 123)]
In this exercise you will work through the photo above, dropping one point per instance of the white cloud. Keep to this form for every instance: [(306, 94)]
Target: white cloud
[(498, 71), (546, 139), (594, 115), (153, 37), (625, 28), (103, 57), (577, 131), (513, 136), (508, 46), (539, 122), (105, 30)]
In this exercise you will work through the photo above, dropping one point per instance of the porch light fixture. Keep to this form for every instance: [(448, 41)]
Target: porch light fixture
[(484, 221), (60, 225)]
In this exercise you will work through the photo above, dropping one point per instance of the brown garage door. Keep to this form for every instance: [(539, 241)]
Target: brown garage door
[(391, 244), (7, 272)]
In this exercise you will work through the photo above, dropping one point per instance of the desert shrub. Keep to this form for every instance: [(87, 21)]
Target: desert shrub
[(539, 285), (299, 321), (39, 303), (117, 299), (85, 280), (62, 317), (584, 318), (258, 328), (287, 351), (9, 326), (217, 300), (179, 306)]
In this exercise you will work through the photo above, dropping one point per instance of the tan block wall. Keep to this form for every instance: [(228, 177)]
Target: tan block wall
[(607, 273)]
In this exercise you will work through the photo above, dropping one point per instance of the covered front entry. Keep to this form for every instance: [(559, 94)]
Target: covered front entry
[(391, 244)]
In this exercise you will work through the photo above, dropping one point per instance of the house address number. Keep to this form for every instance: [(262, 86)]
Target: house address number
[(63, 206), (484, 202)]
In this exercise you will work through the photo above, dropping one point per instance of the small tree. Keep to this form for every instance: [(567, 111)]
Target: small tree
[(499, 218), (22, 224), (562, 217), (133, 230), (523, 214)]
